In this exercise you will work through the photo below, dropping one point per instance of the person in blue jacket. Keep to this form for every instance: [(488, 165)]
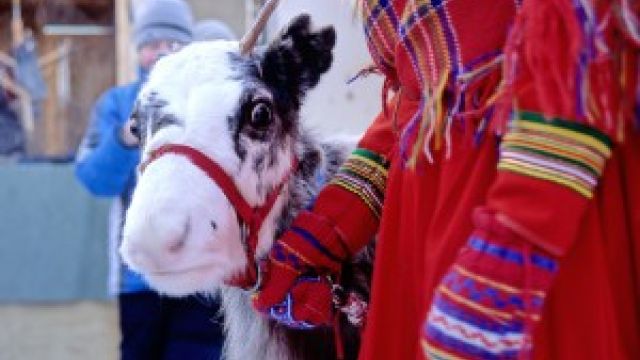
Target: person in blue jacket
[(152, 326)]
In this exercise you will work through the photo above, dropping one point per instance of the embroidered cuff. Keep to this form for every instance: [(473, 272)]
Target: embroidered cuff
[(364, 174), (566, 153)]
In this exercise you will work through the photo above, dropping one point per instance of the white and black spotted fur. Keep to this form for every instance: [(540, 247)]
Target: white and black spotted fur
[(181, 232)]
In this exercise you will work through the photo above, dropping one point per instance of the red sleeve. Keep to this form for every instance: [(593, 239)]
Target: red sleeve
[(547, 173), (352, 201), (565, 104)]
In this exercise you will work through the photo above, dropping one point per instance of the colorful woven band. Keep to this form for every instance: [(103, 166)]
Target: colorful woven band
[(364, 174), (484, 304), (566, 153)]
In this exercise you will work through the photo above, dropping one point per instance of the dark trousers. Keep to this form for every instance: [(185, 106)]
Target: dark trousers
[(157, 327)]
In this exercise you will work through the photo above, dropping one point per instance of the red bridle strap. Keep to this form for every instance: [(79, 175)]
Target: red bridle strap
[(253, 217)]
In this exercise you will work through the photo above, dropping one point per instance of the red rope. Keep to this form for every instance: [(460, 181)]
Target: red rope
[(252, 217)]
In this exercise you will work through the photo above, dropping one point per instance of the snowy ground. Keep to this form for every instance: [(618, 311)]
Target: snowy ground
[(75, 331)]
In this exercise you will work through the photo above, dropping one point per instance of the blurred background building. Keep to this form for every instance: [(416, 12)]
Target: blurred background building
[(54, 302)]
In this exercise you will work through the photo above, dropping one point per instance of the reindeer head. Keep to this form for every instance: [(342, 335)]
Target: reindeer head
[(181, 231)]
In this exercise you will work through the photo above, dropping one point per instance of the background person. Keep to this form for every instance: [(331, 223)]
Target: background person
[(212, 29), (152, 326)]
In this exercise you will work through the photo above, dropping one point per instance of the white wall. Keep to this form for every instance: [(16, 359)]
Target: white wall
[(335, 107)]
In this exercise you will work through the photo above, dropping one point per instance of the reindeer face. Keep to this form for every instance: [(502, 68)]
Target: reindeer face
[(181, 232)]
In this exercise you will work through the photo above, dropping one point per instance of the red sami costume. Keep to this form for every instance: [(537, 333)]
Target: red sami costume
[(489, 228)]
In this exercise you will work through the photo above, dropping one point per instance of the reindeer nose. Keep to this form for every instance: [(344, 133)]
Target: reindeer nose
[(172, 237), (152, 245), (177, 244)]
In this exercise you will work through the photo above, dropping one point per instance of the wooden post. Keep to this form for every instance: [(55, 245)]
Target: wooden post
[(125, 72), (17, 26), (24, 98)]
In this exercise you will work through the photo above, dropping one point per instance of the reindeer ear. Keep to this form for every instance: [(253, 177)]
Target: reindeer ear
[(295, 61)]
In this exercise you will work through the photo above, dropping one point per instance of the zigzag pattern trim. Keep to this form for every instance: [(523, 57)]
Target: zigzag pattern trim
[(493, 342), (480, 308), (437, 354), (284, 255), (478, 320), (487, 294)]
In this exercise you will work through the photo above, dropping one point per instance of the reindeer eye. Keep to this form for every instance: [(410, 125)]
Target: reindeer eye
[(260, 115)]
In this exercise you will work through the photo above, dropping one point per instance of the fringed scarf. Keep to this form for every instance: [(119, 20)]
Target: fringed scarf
[(455, 78), (580, 56), (576, 59)]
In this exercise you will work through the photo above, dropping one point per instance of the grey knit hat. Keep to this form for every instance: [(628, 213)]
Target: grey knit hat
[(163, 20), (212, 30)]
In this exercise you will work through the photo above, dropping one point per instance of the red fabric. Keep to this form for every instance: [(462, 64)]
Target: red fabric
[(352, 218), (498, 278), (341, 227), (315, 302), (309, 301), (538, 223), (426, 219), (295, 254), (320, 249), (488, 227), (277, 281), (591, 311), (592, 308), (554, 64), (333, 249)]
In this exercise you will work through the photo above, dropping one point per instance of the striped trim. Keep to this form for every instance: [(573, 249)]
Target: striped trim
[(461, 313), (488, 296), (550, 146), (566, 153), (364, 174), (475, 306), (315, 243), (284, 255), (511, 255), (381, 28), (488, 282), (449, 344), (436, 354), (430, 42), (560, 124)]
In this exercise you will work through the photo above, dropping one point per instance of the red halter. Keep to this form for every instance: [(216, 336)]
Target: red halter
[(252, 217)]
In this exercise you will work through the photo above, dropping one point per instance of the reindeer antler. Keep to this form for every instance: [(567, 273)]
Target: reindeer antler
[(249, 39)]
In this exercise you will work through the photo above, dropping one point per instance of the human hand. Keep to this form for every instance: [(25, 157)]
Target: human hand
[(128, 134), (489, 302), (307, 304), (310, 247)]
